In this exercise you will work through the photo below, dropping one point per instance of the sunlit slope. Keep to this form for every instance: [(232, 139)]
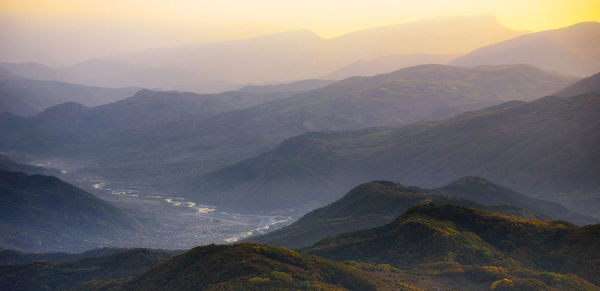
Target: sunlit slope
[(250, 267), (455, 234)]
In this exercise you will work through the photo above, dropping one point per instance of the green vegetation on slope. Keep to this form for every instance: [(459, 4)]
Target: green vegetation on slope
[(42, 275), (251, 267), (428, 234), (366, 206)]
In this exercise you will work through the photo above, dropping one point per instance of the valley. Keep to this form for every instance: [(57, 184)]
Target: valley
[(303, 146), (178, 223)]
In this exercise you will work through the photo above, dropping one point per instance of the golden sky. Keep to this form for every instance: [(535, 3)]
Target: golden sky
[(100, 27), (327, 18)]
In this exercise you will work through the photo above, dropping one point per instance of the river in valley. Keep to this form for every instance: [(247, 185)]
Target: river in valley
[(178, 223)]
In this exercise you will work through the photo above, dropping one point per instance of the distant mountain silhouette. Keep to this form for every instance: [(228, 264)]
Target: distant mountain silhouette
[(584, 86), (298, 86), (572, 50), (27, 97), (282, 57), (386, 64)]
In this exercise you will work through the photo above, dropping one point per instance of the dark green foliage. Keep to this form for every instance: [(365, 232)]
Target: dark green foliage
[(41, 274), (366, 206), (11, 257), (449, 233), (41, 213), (250, 267)]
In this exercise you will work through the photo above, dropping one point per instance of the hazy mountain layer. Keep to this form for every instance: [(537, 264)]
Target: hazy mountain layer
[(449, 233), (546, 147), (296, 87), (586, 85), (572, 50), (283, 57), (27, 97), (42, 213), (167, 139), (386, 64)]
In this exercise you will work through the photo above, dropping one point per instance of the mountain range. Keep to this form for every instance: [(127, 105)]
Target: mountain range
[(377, 203), (386, 64), (283, 57), (462, 236), (552, 141), (572, 50), (429, 246), (27, 97), (126, 140)]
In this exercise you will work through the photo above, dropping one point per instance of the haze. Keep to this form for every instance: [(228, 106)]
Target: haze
[(66, 32)]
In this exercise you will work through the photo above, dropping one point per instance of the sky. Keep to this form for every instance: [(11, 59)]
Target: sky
[(37, 30)]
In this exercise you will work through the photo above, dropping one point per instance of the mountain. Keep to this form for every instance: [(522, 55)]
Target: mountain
[(589, 84), (165, 140), (386, 64), (485, 192), (27, 97), (572, 50), (546, 148), (104, 72), (42, 275), (43, 213), (442, 35), (281, 57), (296, 87), (366, 206), (9, 165), (250, 267), (429, 234)]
